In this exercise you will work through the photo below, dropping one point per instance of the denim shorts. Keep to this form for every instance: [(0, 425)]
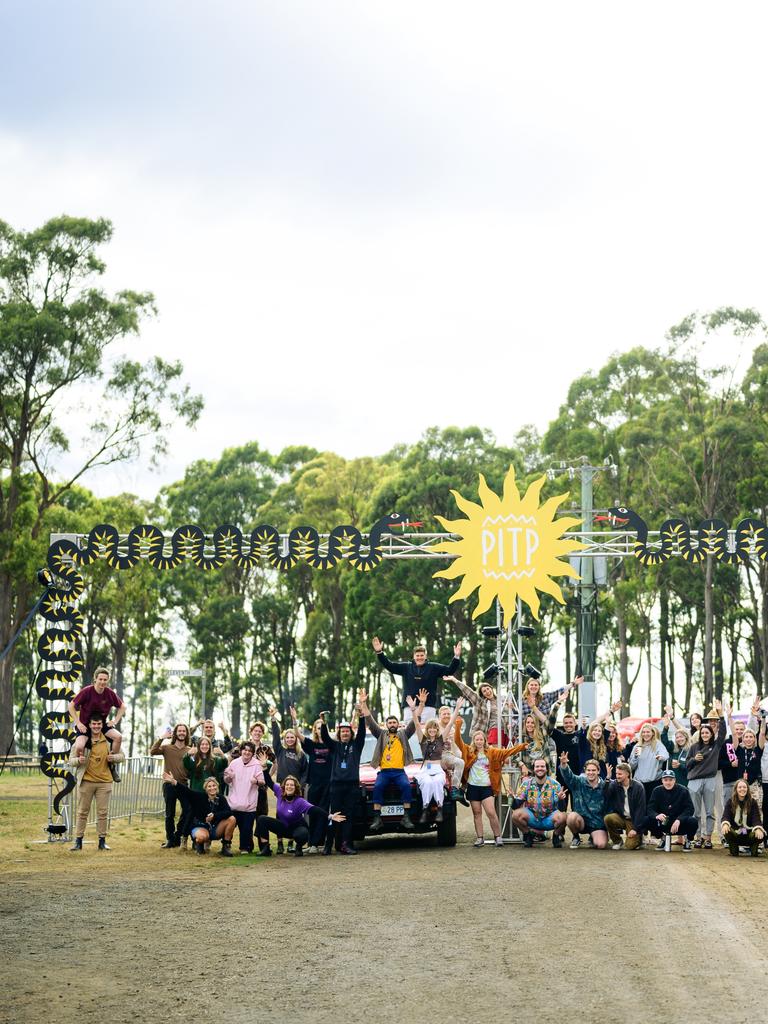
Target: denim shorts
[(545, 824)]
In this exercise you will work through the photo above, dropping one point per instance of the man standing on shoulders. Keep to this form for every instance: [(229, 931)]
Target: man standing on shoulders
[(98, 697), (624, 805), (670, 812), (587, 794), (94, 779), (391, 754), (419, 674)]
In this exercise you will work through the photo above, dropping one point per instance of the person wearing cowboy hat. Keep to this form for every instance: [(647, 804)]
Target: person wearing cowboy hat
[(345, 782)]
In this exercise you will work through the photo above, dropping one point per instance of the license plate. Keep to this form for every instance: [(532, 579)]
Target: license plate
[(392, 810)]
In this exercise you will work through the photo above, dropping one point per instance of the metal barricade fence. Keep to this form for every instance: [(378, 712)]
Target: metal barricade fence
[(138, 794)]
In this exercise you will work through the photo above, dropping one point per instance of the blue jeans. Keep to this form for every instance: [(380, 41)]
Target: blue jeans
[(391, 775)]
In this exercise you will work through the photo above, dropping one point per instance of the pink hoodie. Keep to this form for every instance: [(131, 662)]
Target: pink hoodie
[(243, 782)]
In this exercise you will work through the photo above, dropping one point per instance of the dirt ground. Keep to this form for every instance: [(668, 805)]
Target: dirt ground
[(404, 930)]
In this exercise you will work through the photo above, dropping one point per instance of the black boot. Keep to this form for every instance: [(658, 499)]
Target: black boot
[(406, 822), (77, 845), (376, 824), (103, 843), (226, 848), (348, 849), (328, 848), (265, 850)]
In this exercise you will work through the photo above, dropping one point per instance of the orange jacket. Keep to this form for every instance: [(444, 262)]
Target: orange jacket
[(496, 757)]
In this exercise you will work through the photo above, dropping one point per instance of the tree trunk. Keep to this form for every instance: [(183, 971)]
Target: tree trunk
[(234, 690), (709, 623), (718, 658), (12, 611), (687, 654), (120, 655), (762, 679), (663, 639), (626, 686)]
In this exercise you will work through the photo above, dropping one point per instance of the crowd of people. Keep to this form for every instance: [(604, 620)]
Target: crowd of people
[(667, 785)]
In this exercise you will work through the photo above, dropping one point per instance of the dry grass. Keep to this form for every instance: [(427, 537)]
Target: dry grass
[(135, 846)]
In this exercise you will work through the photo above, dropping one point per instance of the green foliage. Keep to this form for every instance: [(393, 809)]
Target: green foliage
[(56, 327)]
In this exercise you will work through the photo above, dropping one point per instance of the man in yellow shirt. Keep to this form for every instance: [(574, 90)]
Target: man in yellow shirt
[(94, 778), (391, 754)]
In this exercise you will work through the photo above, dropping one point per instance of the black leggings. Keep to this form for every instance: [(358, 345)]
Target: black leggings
[(344, 798), (299, 833), (320, 795)]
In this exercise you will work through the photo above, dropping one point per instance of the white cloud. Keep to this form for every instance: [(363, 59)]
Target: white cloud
[(362, 220)]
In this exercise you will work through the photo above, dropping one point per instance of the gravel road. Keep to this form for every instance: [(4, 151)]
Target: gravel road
[(403, 930)]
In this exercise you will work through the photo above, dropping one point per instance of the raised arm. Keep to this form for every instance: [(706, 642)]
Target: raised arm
[(465, 690), (507, 752), (397, 668), (415, 707), (367, 714), (360, 735), (616, 706), (326, 736), (565, 771), (455, 662), (277, 742), (670, 714), (446, 732), (154, 750), (460, 739), (722, 728)]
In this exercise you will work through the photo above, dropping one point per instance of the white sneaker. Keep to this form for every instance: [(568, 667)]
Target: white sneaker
[(479, 842), (617, 846), (312, 849), (498, 841), (576, 842)]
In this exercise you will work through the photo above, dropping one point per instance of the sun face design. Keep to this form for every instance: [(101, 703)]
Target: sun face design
[(509, 548)]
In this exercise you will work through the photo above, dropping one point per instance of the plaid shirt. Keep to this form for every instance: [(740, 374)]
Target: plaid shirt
[(546, 701), (542, 800), (485, 713)]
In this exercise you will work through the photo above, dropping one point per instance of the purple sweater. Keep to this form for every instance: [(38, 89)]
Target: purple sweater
[(290, 811)]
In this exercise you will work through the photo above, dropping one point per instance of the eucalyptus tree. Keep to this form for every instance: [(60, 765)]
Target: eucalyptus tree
[(56, 329)]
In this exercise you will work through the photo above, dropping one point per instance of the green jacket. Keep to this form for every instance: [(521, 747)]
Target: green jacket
[(197, 775)]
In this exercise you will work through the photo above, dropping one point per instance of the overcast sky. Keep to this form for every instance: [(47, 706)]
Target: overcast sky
[(363, 219)]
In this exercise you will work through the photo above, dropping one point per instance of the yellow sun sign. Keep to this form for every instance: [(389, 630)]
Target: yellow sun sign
[(510, 547)]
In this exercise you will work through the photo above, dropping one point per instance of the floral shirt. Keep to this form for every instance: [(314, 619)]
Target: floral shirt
[(541, 799)]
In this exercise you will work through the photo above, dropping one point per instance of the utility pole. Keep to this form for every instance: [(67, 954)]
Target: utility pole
[(587, 603), (587, 586)]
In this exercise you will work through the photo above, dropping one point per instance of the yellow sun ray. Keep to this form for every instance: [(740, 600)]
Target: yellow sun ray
[(508, 547)]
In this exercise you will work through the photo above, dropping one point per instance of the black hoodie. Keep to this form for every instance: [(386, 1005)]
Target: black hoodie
[(676, 803)]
